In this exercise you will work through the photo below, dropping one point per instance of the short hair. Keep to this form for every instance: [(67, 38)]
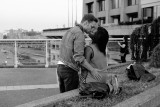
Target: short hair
[(89, 17)]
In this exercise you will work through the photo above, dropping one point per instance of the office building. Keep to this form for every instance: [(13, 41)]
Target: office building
[(120, 11)]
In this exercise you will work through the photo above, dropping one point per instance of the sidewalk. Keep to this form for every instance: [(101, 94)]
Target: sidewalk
[(22, 85)]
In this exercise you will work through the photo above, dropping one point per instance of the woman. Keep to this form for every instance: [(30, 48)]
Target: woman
[(95, 54), (124, 49)]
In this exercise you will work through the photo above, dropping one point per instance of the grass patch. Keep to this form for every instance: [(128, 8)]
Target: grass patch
[(129, 89)]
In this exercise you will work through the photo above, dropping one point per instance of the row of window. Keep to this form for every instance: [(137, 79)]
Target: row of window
[(147, 15), (115, 4), (56, 47), (54, 57)]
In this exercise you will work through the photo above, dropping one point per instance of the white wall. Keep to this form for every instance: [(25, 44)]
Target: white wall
[(148, 1)]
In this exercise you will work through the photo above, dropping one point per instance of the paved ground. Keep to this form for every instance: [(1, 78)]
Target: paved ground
[(22, 85)]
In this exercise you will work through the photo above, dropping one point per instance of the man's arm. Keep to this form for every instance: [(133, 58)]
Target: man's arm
[(78, 56)]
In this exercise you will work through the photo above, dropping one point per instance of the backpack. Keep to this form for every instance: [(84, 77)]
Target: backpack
[(95, 90), (138, 72)]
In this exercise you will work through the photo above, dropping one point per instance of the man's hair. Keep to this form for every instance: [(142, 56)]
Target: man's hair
[(101, 38), (89, 18)]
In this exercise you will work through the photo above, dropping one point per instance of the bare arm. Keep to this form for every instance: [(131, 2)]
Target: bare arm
[(123, 45), (88, 55), (78, 56)]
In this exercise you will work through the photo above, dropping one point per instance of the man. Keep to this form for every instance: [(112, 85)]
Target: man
[(71, 54)]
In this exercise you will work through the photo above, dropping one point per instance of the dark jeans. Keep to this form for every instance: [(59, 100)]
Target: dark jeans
[(123, 58), (68, 78)]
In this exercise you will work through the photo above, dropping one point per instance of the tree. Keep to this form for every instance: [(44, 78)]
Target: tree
[(155, 57), (4, 36)]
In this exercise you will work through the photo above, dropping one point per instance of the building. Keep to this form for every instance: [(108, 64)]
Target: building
[(124, 13), (150, 8), (54, 33), (117, 11), (54, 44), (1, 35)]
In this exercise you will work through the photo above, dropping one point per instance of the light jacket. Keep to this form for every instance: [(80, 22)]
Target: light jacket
[(72, 47)]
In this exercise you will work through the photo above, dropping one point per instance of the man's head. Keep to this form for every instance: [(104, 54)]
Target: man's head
[(89, 23)]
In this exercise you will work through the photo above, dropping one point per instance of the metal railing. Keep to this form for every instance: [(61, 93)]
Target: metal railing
[(23, 52)]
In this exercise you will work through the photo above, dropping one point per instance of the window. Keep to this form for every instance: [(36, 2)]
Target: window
[(147, 15), (53, 58), (102, 20), (148, 12), (116, 4), (132, 16), (57, 47), (57, 57), (132, 2), (53, 46), (90, 7), (102, 5), (129, 2)]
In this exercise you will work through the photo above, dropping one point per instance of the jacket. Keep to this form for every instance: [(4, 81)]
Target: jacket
[(72, 47)]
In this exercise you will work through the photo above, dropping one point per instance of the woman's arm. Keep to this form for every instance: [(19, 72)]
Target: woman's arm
[(121, 45), (88, 53)]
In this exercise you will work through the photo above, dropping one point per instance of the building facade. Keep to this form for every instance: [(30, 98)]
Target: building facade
[(120, 11), (150, 8)]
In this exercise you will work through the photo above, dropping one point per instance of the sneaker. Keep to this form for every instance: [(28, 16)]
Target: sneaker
[(115, 84)]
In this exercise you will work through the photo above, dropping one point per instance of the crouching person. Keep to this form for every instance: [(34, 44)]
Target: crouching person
[(95, 54)]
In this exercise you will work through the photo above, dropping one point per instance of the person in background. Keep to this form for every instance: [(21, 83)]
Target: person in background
[(123, 49), (72, 54)]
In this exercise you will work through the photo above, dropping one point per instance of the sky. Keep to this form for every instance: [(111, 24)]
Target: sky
[(38, 14)]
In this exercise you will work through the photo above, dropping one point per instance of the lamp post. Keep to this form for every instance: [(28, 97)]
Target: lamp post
[(72, 13), (68, 13), (76, 11)]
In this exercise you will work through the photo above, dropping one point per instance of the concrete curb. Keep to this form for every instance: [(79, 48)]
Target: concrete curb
[(148, 98), (50, 100)]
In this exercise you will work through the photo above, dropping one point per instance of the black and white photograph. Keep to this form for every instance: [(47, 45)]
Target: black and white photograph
[(79, 53)]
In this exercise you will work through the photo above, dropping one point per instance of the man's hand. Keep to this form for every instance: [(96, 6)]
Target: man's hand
[(96, 75)]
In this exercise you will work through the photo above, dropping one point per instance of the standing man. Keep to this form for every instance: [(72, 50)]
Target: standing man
[(72, 54)]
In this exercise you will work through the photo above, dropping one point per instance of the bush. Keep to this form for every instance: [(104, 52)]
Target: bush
[(155, 57)]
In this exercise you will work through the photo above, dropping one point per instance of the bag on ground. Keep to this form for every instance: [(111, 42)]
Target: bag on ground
[(138, 72)]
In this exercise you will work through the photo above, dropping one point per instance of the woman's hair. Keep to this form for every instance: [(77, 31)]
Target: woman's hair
[(101, 39)]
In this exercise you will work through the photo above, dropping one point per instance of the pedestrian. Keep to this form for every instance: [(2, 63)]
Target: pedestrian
[(72, 54), (123, 49)]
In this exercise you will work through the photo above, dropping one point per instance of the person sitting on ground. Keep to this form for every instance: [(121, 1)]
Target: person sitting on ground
[(95, 54)]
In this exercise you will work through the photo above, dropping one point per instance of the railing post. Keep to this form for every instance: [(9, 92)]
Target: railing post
[(15, 55), (47, 64)]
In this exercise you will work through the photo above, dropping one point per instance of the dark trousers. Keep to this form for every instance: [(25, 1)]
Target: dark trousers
[(68, 78), (123, 58)]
